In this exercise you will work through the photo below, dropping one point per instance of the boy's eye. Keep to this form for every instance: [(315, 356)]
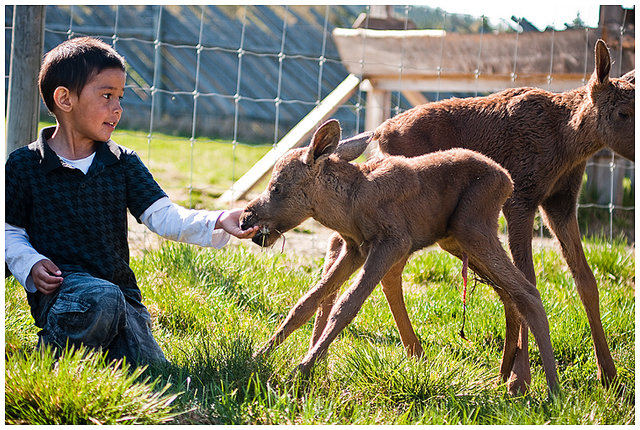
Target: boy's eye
[(109, 96)]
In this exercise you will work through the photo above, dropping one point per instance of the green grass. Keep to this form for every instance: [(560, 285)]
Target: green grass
[(212, 309), (81, 388)]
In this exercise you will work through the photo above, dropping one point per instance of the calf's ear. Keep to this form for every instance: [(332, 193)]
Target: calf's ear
[(324, 140), (353, 147), (600, 78), (630, 77)]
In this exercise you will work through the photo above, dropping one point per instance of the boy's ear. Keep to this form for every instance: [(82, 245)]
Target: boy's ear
[(62, 98)]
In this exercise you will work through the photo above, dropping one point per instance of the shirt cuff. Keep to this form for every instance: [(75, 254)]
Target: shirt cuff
[(219, 237), (21, 270), (20, 255), (174, 222)]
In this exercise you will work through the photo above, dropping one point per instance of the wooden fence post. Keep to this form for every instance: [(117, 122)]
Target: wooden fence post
[(23, 104)]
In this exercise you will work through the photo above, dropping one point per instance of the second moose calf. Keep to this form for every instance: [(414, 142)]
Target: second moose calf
[(384, 210)]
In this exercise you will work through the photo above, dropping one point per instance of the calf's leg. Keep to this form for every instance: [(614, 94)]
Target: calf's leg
[(380, 259), (348, 261), (333, 252), (513, 326), (520, 226), (512, 316), (392, 288), (490, 260), (322, 314), (564, 224)]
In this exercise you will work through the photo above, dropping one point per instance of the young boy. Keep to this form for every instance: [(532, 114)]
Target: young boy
[(66, 198)]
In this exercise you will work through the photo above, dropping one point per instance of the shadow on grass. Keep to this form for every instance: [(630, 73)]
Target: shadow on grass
[(217, 379)]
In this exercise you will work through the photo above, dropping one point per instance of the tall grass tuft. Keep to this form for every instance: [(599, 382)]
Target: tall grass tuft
[(79, 387), (390, 376), (611, 261)]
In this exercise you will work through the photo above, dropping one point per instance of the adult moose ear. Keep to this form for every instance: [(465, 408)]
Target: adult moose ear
[(324, 140), (600, 78)]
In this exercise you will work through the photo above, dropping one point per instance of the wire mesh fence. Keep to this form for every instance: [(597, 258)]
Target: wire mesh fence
[(248, 74)]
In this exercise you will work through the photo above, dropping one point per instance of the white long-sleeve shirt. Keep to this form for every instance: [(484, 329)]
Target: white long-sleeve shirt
[(163, 217)]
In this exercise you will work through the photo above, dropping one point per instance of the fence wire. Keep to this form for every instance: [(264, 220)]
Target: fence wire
[(280, 51)]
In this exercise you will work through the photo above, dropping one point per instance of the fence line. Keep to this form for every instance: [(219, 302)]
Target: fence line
[(253, 58)]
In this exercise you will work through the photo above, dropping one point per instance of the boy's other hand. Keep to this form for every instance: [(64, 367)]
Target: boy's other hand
[(229, 221), (46, 276)]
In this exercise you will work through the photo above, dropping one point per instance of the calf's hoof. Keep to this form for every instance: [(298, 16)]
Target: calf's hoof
[(415, 351), (304, 369), (607, 377), (301, 375), (517, 386)]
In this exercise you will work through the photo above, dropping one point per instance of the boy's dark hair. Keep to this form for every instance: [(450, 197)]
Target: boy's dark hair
[(72, 63)]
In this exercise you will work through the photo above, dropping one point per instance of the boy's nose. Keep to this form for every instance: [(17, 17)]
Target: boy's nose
[(118, 107)]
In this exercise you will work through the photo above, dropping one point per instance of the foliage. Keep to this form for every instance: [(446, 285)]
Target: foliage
[(212, 309), (80, 387), (437, 18)]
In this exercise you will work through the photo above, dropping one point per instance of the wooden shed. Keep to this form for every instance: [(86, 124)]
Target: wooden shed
[(418, 61)]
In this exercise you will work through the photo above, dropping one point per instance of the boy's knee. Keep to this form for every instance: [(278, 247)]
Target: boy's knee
[(92, 316)]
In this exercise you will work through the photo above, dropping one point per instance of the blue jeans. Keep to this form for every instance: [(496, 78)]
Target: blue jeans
[(93, 312)]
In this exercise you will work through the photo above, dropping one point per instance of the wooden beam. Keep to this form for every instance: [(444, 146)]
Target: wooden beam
[(488, 84), (373, 53), (296, 137), (378, 108), (416, 98)]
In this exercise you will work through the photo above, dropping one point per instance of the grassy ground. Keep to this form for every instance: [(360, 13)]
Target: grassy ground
[(212, 309)]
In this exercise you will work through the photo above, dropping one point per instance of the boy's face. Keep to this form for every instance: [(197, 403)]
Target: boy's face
[(96, 110)]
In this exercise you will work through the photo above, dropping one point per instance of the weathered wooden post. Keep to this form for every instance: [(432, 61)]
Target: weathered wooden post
[(23, 103)]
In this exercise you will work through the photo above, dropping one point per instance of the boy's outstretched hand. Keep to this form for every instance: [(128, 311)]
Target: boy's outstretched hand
[(229, 221), (46, 276)]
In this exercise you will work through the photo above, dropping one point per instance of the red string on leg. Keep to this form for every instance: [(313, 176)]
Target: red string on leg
[(465, 265)]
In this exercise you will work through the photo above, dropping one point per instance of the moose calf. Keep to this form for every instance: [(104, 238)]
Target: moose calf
[(384, 210)]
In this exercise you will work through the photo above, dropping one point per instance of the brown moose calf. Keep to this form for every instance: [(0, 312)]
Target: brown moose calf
[(384, 210)]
